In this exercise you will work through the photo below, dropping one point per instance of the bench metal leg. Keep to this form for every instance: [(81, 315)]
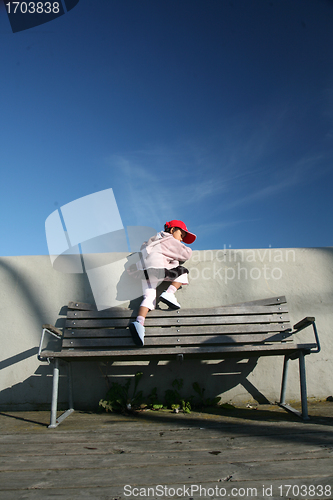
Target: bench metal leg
[(302, 377), (304, 414), (54, 421), (70, 387), (55, 389), (284, 380)]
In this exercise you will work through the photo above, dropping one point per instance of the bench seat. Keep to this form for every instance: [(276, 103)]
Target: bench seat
[(257, 328)]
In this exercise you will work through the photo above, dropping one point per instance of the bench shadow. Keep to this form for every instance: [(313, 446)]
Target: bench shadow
[(18, 357), (22, 419), (215, 378), (224, 374)]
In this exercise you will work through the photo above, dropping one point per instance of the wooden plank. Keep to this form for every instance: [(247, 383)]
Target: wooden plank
[(213, 311), (70, 333), (281, 299), (98, 323), (116, 312), (174, 330), (191, 332), (80, 457), (99, 343), (158, 474), (304, 323), (217, 430), (77, 305), (170, 352), (165, 341), (224, 310), (209, 339), (126, 430), (197, 320)]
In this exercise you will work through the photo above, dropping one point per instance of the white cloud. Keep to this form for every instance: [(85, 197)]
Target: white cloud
[(160, 182), (238, 167)]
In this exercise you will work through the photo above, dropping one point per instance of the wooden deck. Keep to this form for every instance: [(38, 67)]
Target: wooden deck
[(243, 453)]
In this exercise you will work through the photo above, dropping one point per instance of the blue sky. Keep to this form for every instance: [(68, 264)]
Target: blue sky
[(216, 112)]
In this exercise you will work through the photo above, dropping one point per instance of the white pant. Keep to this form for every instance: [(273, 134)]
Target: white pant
[(149, 292)]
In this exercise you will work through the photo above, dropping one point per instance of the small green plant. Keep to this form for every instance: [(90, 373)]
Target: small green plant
[(185, 406), (174, 400), (118, 399), (204, 402)]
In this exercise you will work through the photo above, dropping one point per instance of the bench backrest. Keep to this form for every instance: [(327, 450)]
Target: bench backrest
[(250, 326)]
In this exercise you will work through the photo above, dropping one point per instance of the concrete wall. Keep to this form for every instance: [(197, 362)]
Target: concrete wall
[(33, 293)]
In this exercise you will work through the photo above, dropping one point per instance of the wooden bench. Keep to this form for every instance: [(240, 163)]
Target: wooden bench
[(258, 328)]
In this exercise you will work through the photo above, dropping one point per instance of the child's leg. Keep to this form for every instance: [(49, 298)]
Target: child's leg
[(181, 280), (149, 299), (173, 287), (142, 313), (168, 297), (137, 328), (178, 282)]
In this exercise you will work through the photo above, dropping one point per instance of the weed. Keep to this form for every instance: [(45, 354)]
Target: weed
[(174, 400), (118, 399)]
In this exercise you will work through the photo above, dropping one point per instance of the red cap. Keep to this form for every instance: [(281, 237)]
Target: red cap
[(189, 238)]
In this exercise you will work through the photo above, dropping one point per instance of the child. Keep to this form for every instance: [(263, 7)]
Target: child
[(161, 258)]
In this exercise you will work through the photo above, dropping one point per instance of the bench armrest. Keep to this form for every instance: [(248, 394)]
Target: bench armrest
[(52, 330), (305, 322)]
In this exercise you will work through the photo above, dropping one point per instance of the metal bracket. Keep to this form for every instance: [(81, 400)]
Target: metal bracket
[(45, 330), (180, 358), (304, 323)]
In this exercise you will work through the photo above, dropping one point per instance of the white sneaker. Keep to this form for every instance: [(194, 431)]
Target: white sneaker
[(138, 333), (170, 300)]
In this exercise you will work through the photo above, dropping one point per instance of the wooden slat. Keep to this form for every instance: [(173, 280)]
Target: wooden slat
[(76, 305), (170, 352), (224, 310), (240, 339), (161, 313), (98, 343), (96, 333), (264, 302), (107, 313), (98, 323), (185, 330), (176, 340), (197, 320)]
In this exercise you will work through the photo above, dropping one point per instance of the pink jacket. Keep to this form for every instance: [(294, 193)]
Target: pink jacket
[(163, 251)]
